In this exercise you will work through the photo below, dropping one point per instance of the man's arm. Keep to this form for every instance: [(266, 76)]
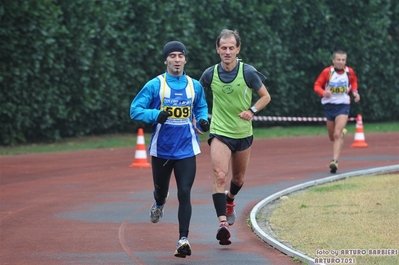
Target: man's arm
[(319, 85), (140, 109), (353, 83), (259, 104), (206, 78), (264, 99)]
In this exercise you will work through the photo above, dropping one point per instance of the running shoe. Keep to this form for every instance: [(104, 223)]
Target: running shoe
[(156, 211), (183, 248), (223, 234), (230, 212), (333, 166), (344, 132)]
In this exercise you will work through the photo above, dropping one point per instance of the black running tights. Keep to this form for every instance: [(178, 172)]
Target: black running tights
[(184, 171)]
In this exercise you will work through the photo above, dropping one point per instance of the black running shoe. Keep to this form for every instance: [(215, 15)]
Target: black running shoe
[(333, 166), (223, 234)]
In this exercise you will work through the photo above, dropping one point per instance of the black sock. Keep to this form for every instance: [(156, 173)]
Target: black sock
[(219, 201), (228, 199), (234, 188)]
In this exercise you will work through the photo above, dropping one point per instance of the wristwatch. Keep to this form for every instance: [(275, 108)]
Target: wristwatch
[(254, 110)]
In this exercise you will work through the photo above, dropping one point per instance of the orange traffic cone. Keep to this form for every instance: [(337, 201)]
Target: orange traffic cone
[(140, 158), (359, 134)]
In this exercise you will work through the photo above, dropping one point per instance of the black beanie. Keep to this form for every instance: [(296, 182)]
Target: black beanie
[(173, 46)]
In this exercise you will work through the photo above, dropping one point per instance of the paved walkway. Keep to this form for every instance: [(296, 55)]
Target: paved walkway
[(90, 207)]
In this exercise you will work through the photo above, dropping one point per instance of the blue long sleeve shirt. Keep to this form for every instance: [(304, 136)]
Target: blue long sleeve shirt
[(184, 100)]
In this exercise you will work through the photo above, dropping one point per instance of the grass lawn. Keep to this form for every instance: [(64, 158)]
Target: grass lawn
[(331, 220)]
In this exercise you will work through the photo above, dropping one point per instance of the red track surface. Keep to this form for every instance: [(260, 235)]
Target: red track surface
[(90, 207)]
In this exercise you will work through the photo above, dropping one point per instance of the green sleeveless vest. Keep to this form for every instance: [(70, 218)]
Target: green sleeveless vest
[(230, 99)]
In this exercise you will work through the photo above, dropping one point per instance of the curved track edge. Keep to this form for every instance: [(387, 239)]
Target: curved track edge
[(286, 249)]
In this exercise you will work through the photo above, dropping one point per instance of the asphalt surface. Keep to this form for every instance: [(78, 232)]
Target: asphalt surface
[(90, 207)]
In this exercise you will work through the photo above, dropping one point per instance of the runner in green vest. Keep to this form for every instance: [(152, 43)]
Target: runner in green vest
[(232, 83)]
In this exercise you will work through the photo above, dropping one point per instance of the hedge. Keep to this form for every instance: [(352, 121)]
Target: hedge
[(70, 68)]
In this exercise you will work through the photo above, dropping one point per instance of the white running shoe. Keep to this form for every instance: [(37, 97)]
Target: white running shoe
[(183, 248), (156, 211)]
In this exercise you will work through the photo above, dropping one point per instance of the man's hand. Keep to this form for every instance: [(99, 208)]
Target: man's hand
[(162, 117), (356, 97), (246, 115), (327, 94), (204, 125)]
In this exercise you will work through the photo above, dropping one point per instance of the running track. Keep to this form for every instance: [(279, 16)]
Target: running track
[(90, 207)]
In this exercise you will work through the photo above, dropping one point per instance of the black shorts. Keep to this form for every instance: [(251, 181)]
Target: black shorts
[(331, 111), (233, 144)]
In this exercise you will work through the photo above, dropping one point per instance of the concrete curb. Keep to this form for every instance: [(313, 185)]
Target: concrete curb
[(277, 244)]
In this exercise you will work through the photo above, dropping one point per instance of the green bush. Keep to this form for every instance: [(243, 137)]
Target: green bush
[(70, 68)]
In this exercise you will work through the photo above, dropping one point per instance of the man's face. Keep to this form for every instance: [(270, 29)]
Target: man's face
[(227, 50), (339, 61), (175, 63)]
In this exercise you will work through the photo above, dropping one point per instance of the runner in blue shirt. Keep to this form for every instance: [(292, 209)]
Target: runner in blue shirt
[(176, 107)]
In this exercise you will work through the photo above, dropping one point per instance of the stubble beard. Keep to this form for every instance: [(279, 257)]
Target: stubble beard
[(176, 70)]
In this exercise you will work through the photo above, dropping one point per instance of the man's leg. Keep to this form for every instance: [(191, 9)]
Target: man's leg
[(330, 129), (220, 156), (161, 172), (239, 163), (340, 123), (335, 133), (185, 170)]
